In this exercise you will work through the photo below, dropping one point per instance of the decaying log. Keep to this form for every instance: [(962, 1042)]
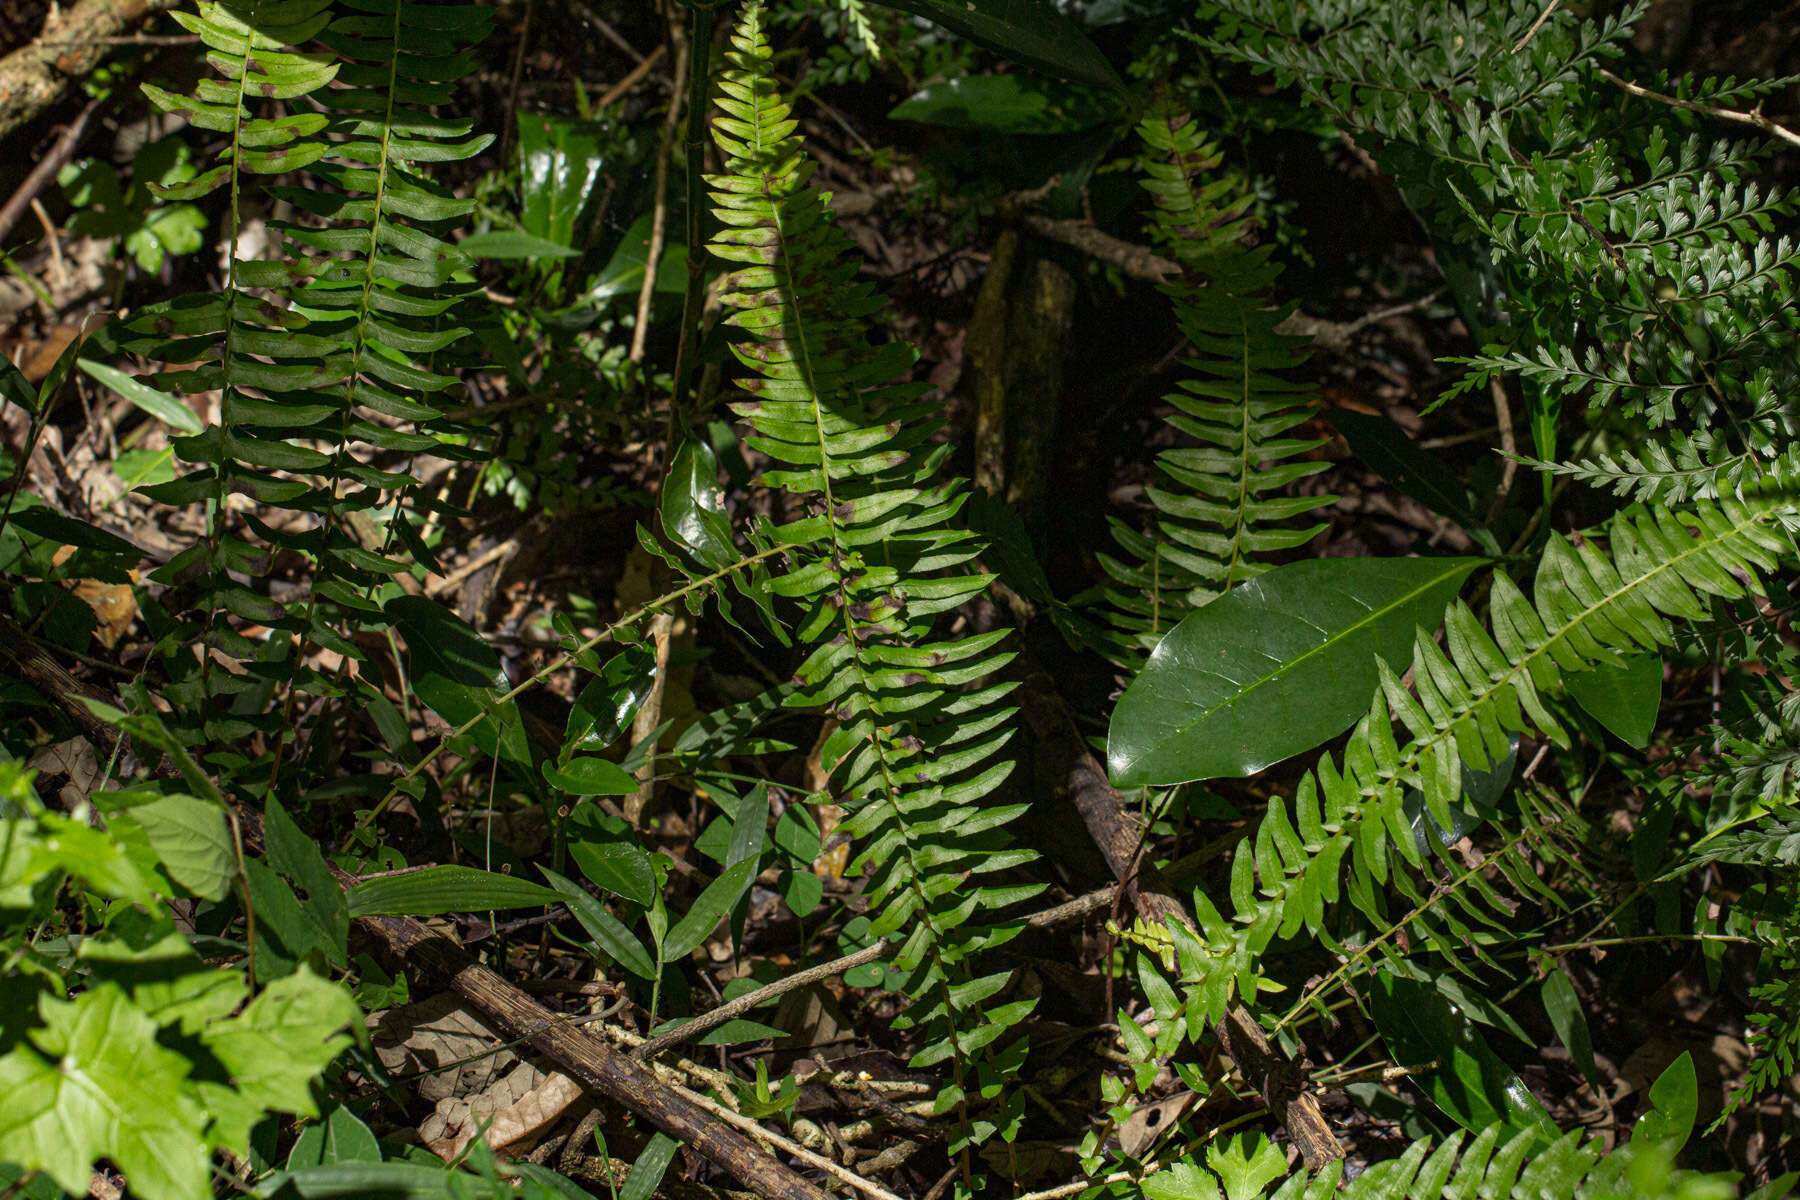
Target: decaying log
[(33, 77)]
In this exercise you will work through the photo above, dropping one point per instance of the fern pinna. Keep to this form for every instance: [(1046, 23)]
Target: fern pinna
[(327, 357), (1219, 502), (876, 555)]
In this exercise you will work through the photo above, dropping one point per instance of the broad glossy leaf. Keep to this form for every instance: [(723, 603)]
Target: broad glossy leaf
[(710, 907), (693, 506), (1470, 1083), (160, 405), (1013, 104), (610, 700), (1625, 698), (1273, 667), (1032, 32), (442, 890), (609, 859), (15, 388), (603, 927), (559, 164), (1566, 1017)]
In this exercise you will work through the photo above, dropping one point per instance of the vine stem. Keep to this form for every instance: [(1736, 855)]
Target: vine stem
[(549, 669)]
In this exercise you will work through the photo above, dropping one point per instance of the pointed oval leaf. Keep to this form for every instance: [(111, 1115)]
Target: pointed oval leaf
[(1273, 667), (709, 909), (442, 890), (603, 927)]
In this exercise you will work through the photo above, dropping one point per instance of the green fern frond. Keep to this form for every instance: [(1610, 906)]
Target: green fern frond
[(1347, 833), (1491, 1165), (1220, 503), (876, 555), (329, 359)]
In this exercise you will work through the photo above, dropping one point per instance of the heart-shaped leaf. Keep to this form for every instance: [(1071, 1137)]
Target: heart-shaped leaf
[(1624, 696)]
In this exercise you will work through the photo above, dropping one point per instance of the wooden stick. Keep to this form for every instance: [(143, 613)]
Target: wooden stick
[(33, 77), (46, 169), (1753, 118)]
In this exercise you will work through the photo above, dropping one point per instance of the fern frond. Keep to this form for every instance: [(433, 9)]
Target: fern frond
[(327, 360), (1220, 503), (1347, 833), (876, 556), (1490, 1164)]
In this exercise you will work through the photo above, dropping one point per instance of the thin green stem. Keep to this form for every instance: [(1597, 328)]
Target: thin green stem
[(549, 669)]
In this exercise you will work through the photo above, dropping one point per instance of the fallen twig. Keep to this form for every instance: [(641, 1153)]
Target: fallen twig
[(33, 77), (1753, 118), (46, 169)]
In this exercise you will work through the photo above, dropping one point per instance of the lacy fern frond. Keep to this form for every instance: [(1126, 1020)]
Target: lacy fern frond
[(1221, 503), (1348, 833), (876, 555), (1636, 257), (328, 359)]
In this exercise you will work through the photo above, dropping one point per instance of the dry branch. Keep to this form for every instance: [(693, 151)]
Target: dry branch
[(33, 77)]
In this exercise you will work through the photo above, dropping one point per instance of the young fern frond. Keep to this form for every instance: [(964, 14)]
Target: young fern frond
[(876, 555), (1218, 503), (323, 357), (1462, 711)]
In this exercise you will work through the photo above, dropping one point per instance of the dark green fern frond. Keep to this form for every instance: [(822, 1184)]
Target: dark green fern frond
[(327, 358), (1219, 503), (876, 556)]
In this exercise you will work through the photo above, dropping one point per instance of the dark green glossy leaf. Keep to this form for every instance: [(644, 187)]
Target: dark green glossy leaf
[(693, 506), (610, 700), (1624, 698), (67, 531), (1482, 792), (1566, 1017), (617, 867), (361, 1180), (606, 930), (15, 388), (559, 166), (1032, 32), (1469, 1083), (591, 777), (442, 890), (1273, 667), (442, 644), (1013, 104)]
